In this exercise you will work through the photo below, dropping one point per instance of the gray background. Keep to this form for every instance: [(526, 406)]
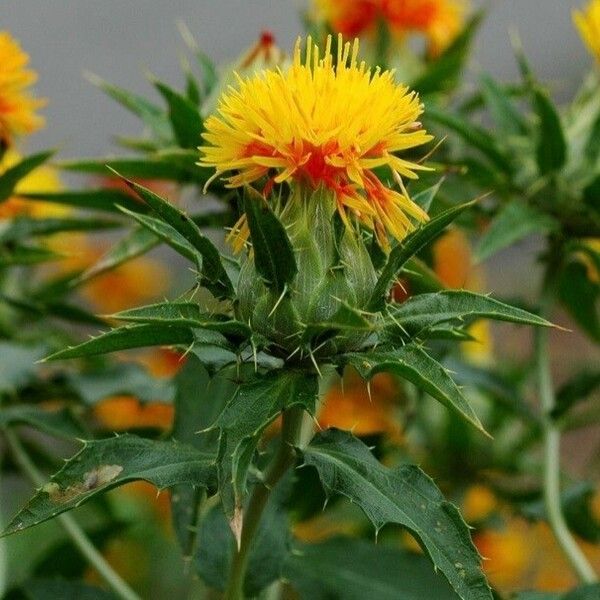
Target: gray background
[(121, 39)]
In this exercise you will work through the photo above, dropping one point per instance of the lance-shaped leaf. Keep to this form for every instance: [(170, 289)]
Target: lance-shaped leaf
[(514, 222), (104, 464), (185, 313), (273, 252), (505, 114), (424, 311), (24, 227), (102, 200), (415, 242), (59, 423), (355, 569), (412, 363), (127, 337), (184, 116), (12, 254), (551, 149), (214, 276), (11, 177), (404, 495), (256, 404)]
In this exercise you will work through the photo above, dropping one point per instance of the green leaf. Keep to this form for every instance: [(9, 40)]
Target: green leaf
[(586, 592), (403, 495), (442, 74), (148, 167), (24, 227), (139, 241), (256, 404), (166, 234), (515, 221), (473, 135), (59, 589), (413, 364), (125, 338), (551, 149), (355, 569), (412, 244), (424, 311), (18, 364), (11, 177), (120, 379), (104, 464), (273, 253), (103, 200), (506, 115), (578, 388), (425, 198), (581, 298), (152, 116), (184, 116), (185, 314), (59, 423), (16, 254), (214, 276)]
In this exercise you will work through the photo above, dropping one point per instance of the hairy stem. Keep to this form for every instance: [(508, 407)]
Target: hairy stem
[(551, 436), (70, 525), (291, 431)]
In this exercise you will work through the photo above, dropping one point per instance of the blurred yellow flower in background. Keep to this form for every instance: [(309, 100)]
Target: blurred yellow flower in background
[(322, 126), (439, 21), (587, 21), (17, 105)]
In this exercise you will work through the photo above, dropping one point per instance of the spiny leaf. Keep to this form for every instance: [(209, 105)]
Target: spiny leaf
[(414, 364), (104, 464), (273, 252), (425, 311), (415, 242), (403, 495), (125, 338)]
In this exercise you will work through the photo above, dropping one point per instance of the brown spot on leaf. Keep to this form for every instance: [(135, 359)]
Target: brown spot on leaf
[(91, 480)]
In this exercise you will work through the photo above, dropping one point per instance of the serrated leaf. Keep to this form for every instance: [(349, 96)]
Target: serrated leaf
[(126, 338), (412, 363), (184, 116), (403, 495), (166, 234), (59, 423), (424, 311), (355, 569), (103, 200), (11, 177), (515, 221), (104, 464), (551, 148), (273, 253), (442, 74), (256, 404), (345, 319), (185, 314), (214, 276), (412, 244), (473, 135)]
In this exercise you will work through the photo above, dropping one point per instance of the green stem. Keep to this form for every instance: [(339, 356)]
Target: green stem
[(551, 437), (291, 431), (77, 535)]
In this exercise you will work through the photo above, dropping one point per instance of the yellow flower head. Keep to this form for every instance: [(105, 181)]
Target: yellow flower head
[(17, 106), (440, 21), (588, 23), (325, 122)]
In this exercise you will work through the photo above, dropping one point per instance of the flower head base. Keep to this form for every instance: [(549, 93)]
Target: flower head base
[(326, 122), (440, 21), (17, 107), (588, 23)]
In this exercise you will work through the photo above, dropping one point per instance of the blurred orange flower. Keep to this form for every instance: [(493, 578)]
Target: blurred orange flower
[(17, 106), (120, 413)]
